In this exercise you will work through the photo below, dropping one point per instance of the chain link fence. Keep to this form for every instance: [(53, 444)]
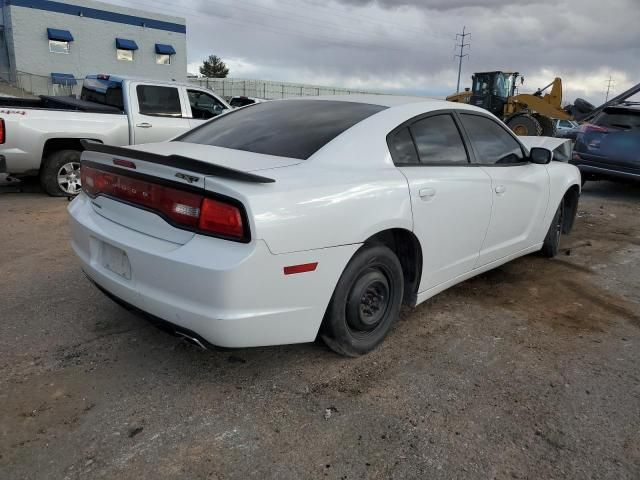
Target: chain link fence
[(269, 90), (28, 84)]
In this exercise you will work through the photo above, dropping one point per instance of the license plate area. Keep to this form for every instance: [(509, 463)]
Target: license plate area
[(115, 260)]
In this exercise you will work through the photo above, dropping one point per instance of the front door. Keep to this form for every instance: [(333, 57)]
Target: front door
[(520, 189), (451, 199), (158, 113)]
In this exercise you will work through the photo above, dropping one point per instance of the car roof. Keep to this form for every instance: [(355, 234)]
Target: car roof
[(122, 78)]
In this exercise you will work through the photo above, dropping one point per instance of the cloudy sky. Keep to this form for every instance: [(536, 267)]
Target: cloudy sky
[(408, 45)]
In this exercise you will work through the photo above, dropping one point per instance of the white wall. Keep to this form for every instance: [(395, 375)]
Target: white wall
[(93, 49)]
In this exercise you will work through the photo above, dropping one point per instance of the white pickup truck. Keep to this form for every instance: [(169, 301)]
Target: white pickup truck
[(42, 137)]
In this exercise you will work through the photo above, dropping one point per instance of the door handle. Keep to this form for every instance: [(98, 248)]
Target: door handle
[(500, 189), (427, 193), (144, 125)]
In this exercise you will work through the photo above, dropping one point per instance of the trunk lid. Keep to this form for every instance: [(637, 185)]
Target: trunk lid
[(176, 165)]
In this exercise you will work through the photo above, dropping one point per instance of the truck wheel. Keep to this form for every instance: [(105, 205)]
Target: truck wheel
[(552, 240), (547, 124), (60, 174), (524, 124), (365, 303)]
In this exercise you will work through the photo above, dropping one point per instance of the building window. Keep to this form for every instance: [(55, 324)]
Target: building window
[(162, 59), (56, 46), (124, 55)]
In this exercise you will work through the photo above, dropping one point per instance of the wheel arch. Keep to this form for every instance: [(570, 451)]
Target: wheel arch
[(571, 198), (52, 145), (407, 248)]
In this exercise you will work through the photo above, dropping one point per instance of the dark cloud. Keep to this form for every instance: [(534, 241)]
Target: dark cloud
[(408, 45)]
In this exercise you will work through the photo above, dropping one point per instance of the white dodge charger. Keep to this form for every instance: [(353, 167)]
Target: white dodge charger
[(290, 219)]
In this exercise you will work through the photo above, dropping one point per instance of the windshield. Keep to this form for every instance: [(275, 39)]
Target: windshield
[(286, 128)]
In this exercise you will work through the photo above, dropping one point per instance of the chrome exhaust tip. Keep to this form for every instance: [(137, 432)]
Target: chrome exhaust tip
[(190, 339)]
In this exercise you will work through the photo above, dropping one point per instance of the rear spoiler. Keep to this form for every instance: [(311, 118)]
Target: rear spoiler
[(177, 161)]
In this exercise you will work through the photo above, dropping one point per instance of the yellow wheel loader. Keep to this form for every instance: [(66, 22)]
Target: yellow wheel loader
[(526, 114)]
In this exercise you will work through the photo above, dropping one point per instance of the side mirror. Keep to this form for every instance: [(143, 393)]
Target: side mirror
[(541, 156)]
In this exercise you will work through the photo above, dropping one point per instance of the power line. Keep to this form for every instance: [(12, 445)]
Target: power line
[(461, 55)]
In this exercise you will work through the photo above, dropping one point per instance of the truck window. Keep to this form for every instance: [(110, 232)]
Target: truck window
[(159, 101), (203, 105), (103, 91)]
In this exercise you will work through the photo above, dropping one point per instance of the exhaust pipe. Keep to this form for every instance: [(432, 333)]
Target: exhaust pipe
[(190, 339)]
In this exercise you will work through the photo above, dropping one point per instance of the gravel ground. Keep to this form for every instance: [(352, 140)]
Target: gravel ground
[(528, 371)]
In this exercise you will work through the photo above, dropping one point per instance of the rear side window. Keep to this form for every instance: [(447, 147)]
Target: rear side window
[(492, 143), (159, 101), (286, 128), (404, 148), (618, 119), (438, 141)]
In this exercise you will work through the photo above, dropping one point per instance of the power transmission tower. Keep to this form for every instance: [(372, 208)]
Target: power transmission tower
[(610, 85), (462, 36)]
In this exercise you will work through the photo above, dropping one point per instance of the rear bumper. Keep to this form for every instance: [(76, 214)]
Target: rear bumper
[(229, 294), (589, 164)]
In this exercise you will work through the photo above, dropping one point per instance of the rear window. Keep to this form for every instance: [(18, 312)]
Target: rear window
[(286, 128), (620, 119), (103, 91)]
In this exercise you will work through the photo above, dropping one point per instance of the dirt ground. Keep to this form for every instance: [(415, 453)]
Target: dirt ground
[(531, 371)]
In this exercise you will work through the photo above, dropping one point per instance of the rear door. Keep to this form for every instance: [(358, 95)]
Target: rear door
[(450, 198), (520, 189), (158, 112)]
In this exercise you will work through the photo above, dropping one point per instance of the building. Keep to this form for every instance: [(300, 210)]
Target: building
[(46, 44)]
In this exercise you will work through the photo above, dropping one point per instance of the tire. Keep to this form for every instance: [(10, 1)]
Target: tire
[(60, 173), (365, 302), (552, 240), (524, 124), (548, 126)]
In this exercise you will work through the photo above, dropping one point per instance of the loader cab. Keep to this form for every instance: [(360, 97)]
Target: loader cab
[(491, 90)]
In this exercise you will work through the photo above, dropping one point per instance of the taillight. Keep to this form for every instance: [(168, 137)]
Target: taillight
[(2, 135), (193, 211), (588, 127), (222, 218)]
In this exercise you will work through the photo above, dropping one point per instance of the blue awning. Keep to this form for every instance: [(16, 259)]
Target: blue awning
[(59, 35), (165, 49), (124, 44), (63, 79)]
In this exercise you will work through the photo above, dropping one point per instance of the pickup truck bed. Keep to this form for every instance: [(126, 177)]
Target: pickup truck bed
[(58, 103)]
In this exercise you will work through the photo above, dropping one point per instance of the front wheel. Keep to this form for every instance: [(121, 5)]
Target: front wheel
[(365, 303), (60, 174), (552, 240)]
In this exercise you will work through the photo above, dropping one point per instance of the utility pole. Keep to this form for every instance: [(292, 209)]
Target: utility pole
[(610, 84), (462, 36)]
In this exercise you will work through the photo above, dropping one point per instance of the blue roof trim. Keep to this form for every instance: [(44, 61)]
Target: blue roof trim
[(124, 44), (97, 14), (165, 49), (59, 35), (63, 79)]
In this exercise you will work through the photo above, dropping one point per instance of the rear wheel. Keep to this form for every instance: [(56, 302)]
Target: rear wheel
[(525, 125), (552, 240), (60, 173), (365, 303)]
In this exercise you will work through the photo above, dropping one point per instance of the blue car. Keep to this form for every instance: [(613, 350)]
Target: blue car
[(609, 146)]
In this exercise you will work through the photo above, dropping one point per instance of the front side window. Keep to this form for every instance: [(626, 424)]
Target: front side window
[(438, 141), (286, 128), (56, 46), (162, 59), (124, 55), (204, 106), (492, 143), (159, 101)]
